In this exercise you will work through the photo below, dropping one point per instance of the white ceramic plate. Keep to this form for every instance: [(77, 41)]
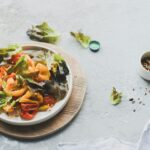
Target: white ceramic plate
[(41, 116)]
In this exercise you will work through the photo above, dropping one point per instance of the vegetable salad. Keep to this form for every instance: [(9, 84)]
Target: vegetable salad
[(31, 81)]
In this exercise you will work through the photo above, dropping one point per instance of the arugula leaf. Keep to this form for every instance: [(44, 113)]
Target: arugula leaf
[(20, 66), (83, 39), (115, 97), (43, 33)]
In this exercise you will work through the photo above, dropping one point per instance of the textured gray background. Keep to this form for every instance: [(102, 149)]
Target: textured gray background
[(123, 28)]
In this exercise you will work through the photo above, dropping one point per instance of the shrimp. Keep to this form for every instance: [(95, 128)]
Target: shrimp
[(11, 84)]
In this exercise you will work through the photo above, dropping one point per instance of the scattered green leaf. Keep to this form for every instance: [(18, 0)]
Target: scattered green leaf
[(83, 39), (115, 96), (43, 33)]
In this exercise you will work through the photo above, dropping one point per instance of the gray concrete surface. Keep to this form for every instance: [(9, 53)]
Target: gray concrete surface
[(123, 28)]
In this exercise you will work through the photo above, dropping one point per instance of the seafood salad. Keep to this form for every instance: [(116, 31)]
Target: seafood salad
[(31, 81)]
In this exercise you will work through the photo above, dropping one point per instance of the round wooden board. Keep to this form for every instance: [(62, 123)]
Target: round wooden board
[(64, 117)]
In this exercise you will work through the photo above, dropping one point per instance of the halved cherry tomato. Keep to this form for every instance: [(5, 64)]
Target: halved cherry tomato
[(15, 58), (29, 107), (49, 100), (28, 115)]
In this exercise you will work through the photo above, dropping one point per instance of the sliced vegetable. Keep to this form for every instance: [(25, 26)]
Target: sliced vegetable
[(43, 33), (49, 100), (115, 96), (29, 106), (44, 107), (28, 101), (28, 115), (83, 39)]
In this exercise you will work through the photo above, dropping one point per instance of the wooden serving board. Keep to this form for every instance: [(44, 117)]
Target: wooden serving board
[(64, 117)]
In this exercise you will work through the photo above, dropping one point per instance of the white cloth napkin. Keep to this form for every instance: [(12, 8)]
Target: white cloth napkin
[(111, 143)]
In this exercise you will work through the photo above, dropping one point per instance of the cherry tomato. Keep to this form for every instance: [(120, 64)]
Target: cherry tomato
[(49, 100), (28, 115), (29, 107), (15, 58)]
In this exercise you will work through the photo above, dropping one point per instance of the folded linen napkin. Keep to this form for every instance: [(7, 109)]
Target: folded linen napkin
[(111, 143)]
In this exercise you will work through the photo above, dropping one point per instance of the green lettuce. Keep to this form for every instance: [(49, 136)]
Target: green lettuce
[(43, 33), (58, 58), (4, 99), (115, 97), (19, 67), (10, 50), (83, 39)]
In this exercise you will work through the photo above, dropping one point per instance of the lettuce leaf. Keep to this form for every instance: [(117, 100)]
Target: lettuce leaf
[(58, 58), (83, 39), (4, 100), (10, 50), (43, 33), (115, 97), (19, 67)]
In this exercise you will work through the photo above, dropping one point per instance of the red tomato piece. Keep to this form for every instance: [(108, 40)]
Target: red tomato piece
[(49, 100), (29, 107), (15, 58), (28, 115)]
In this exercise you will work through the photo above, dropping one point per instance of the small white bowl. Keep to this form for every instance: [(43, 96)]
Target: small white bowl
[(142, 71)]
